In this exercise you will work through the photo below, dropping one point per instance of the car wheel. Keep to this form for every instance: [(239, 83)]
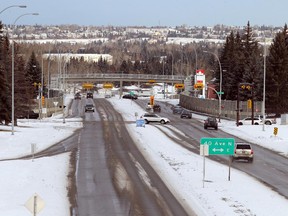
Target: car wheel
[(146, 121), (268, 123), (256, 123), (162, 121), (240, 123)]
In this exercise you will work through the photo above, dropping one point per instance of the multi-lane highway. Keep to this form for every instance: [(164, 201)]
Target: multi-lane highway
[(113, 178)]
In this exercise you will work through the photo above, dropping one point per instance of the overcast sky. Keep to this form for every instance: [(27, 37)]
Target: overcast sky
[(147, 13)]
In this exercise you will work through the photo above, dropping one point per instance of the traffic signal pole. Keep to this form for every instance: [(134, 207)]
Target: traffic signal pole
[(252, 104), (237, 109)]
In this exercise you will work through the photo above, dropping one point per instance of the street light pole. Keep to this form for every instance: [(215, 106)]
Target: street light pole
[(264, 85), (172, 64), (163, 69), (12, 44), (196, 58), (20, 6), (220, 87), (48, 81)]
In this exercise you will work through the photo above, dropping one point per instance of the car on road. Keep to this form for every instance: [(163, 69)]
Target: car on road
[(243, 151), (89, 95), (156, 108), (211, 122), (177, 110), (149, 107), (152, 117), (77, 96), (269, 120), (89, 108), (248, 121), (107, 96), (186, 114), (130, 96)]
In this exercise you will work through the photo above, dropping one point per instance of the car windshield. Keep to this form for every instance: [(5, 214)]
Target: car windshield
[(155, 115), (243, 146)]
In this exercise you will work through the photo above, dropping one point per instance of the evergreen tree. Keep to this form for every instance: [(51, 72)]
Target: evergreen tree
[(22, 98), (231, 58), (102, 65), (33, 74), (137, 66), (4, 86), (277, 74), (124, 67), (252, 67)]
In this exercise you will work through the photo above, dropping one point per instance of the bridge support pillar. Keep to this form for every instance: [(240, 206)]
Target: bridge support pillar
[(121, 88)]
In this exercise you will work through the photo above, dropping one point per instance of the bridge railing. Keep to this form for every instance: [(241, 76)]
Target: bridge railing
[(122, 76)]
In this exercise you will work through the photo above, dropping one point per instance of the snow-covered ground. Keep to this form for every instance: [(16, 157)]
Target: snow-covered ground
[(182, 170)]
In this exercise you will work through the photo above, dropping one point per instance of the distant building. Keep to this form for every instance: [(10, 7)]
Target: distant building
[(85, 57)]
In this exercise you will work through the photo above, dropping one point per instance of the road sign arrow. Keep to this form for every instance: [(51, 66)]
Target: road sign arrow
[(218, 150)]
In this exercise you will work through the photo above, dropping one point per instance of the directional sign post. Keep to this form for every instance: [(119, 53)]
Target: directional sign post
[(219, 146), (140, 123), (35, 204)]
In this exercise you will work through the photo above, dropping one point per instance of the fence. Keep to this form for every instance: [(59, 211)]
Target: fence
[(211, 106), (52, 105)]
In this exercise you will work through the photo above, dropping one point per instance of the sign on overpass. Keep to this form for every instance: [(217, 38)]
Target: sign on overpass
[(219, 146)]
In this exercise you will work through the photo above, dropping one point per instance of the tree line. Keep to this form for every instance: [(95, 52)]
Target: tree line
[(246, 61), (26, 74)]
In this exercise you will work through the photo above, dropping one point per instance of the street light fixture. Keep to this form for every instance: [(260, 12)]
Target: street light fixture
[(12, 44), (220, 90), (196, 59), (20, 6), (264, 84)]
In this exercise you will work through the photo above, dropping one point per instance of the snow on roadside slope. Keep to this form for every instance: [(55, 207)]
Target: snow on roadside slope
[(182, 171), (20, 180)]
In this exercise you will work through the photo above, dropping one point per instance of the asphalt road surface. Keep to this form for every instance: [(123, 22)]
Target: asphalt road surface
[(113, 178)]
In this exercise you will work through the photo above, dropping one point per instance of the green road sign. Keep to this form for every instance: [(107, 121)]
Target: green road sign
[(219, 146), (220, 93)]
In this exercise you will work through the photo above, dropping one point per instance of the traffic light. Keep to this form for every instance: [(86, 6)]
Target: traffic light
[(246, 86), (249, 104), (179, 86), (275, 131), (43, 100), (151, 100), (198, 86)]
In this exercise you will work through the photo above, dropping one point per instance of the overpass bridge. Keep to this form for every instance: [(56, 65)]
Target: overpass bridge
[(120, 77), (60, 81)]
